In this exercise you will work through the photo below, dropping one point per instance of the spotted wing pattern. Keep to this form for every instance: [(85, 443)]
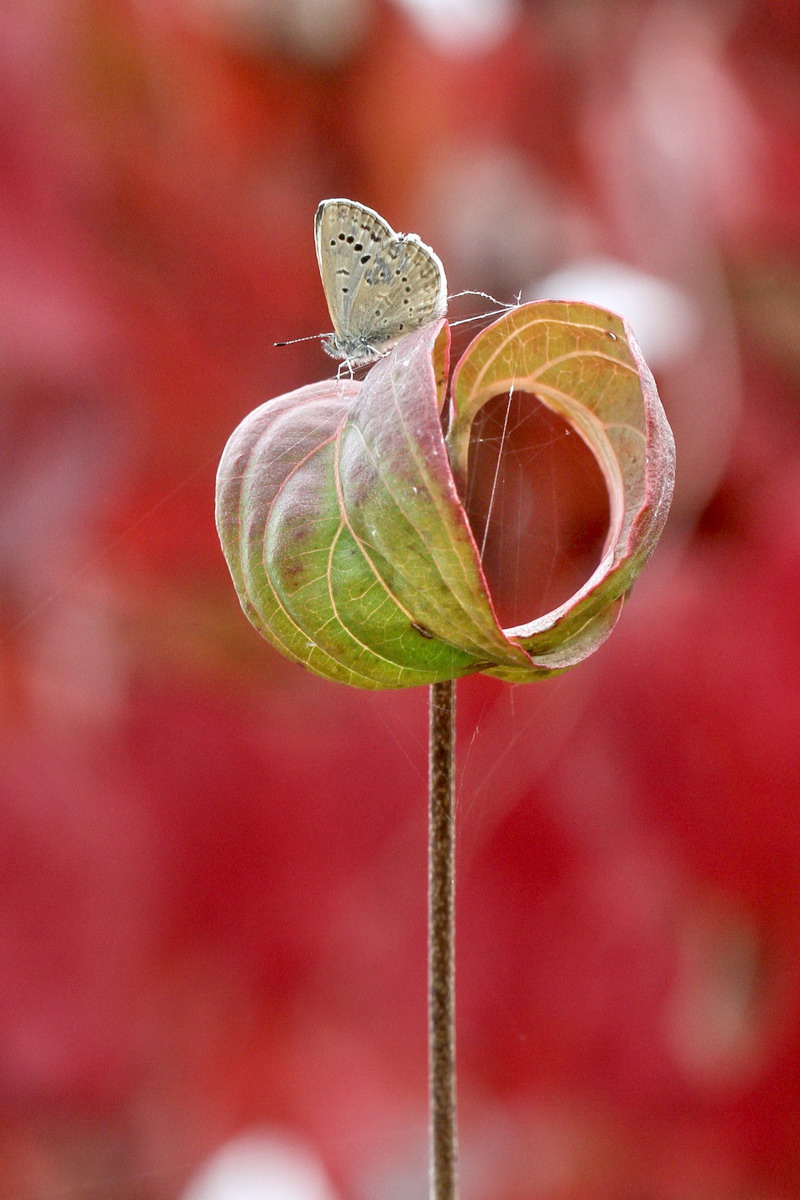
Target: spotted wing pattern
[(379, 284)]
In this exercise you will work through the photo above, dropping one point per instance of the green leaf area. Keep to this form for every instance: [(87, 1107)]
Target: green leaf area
[(339, 510)]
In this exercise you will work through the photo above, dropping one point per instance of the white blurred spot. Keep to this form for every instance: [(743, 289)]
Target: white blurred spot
[(493, 212), (261, 1166), (666, 322), (699, 130), (462, 26), (717, 1014)]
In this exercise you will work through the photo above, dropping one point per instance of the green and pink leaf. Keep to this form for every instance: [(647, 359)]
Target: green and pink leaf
[(340, 513)]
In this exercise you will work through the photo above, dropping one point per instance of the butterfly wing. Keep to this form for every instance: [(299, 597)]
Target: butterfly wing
[(348, 238), (413, 292), (378, 284)]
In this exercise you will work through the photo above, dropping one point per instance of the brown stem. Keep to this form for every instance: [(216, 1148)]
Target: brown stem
[(441, 940)]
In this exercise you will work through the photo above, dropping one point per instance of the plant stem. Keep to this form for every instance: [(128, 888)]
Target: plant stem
[(441, 942)]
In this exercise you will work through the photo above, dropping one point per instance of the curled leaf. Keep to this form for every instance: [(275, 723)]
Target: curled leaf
[(340, 513)]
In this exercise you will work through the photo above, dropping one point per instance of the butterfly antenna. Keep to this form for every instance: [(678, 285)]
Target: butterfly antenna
[(312, 337)]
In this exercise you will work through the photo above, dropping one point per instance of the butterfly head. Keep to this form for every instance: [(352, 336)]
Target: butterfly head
[(355, 351)]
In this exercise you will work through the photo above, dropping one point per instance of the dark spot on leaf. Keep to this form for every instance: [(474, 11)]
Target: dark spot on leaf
[(350, 240), (421, 630), (365, 258)]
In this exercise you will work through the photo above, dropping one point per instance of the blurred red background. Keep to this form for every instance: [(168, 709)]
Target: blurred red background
[(213, 883)]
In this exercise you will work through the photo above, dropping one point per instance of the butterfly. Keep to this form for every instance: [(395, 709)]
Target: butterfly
[(379, 285)]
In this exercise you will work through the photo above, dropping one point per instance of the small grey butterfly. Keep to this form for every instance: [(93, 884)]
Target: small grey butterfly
[(379, 285)]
